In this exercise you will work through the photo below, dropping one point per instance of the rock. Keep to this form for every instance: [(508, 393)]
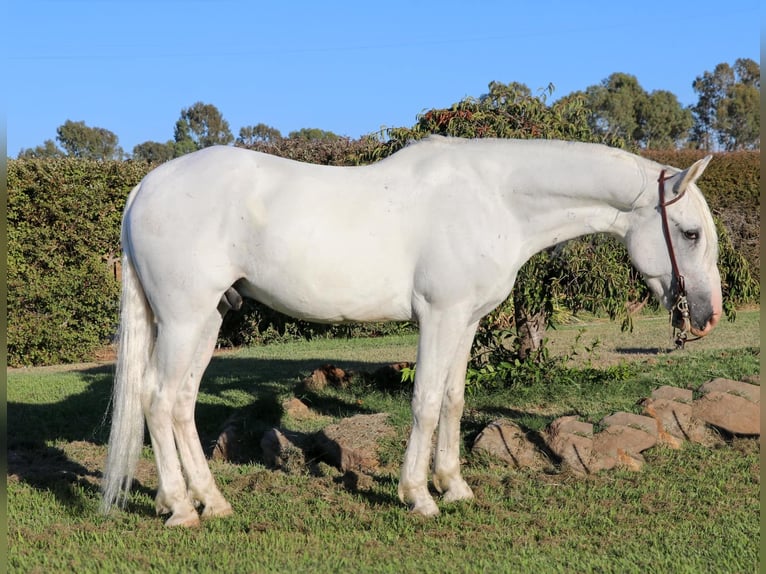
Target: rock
[(570, 425), (750, 392), (297, 409), (646, 424), (226, 445), (617, 440), (572, 441), (732, 413), (327, 375), (352, 444), (675, 423), (390, 376), (284, 449), (673, 394), (506, 441)]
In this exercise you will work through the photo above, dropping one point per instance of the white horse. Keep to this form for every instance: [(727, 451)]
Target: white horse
[(435, 234)]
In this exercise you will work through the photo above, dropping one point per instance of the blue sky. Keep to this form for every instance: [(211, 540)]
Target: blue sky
[(347, 67)]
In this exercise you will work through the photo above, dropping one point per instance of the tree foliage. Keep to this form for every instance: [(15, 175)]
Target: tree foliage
[(80, 141), (201, 125), (728, 110), (506, 111), (313, 134), (154, 152), (251, 135), (620, 108), (48, 149)]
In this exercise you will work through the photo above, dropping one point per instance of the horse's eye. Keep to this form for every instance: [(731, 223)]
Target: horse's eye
[(692, 235)]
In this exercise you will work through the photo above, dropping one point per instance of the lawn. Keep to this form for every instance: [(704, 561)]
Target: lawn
[(689, 510)]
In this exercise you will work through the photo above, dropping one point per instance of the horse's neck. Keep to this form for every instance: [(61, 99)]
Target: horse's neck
[(560, 193)]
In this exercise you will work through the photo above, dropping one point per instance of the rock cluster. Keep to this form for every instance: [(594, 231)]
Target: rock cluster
[(350, 444), (670, 416)]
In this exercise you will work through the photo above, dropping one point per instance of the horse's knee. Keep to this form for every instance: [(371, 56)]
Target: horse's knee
[(183, 413)]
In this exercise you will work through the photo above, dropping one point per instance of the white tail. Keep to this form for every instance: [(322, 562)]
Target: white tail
[(135, 338)]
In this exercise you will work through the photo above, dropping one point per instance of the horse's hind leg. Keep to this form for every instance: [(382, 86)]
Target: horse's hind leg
[(172, 355), (447, 479), (200, 482), (181, 353)]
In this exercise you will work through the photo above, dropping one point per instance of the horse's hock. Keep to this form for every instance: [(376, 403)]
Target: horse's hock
[(671, 416)]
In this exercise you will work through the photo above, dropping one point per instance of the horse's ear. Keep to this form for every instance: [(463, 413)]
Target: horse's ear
[(691, 174)]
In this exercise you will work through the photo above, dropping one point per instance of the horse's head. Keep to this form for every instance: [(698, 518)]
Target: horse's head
[(688, 236)]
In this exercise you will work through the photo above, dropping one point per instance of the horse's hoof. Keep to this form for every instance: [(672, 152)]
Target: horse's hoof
[(426, 509), (187, 519), (459, 491), (217, 510)]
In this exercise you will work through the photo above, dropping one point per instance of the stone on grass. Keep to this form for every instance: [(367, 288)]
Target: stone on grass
[(732, 413), (673, 394), (284, 449), (624, 443), (226, 445), (572, 441), (327, 375), (297, 409), (745, 390), (676, 423), (390, 376), (506, 441), (352, 444), (646, 424)]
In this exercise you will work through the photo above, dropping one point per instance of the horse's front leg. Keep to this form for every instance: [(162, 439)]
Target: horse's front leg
[(447, 478), (441, 338)]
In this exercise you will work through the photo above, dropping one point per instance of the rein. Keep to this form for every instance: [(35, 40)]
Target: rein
[(681, 304)]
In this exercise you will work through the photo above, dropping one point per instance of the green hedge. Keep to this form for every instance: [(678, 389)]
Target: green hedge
[(63, 237), (63, 226)]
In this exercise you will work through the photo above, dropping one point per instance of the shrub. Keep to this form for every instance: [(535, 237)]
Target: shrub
[(63, 228), (63, 235)]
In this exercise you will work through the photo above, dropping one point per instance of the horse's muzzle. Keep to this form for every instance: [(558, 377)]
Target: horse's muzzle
[(698, 324)]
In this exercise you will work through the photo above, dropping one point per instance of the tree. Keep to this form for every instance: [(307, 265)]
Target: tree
[(739, 118), (662, 122), (313, 134), (47, 150), (200, 126), (250, 135), (620, 108), (154, 152), (614, 105), (728, 109), (79, 140)]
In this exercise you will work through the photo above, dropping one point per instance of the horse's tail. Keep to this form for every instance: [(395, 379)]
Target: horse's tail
[(135, 341)]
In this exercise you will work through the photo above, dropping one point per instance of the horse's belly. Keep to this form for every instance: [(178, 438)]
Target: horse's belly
[(328, 301)]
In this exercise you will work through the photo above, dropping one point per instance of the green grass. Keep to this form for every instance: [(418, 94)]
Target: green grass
[(692, 510)]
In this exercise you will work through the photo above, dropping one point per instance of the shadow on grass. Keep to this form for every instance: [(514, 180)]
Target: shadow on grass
[(84, 418)]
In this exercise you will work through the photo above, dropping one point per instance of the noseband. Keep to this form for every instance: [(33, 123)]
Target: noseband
[(681, 304)]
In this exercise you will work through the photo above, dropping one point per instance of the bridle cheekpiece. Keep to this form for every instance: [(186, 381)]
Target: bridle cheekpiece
[(681, 304)]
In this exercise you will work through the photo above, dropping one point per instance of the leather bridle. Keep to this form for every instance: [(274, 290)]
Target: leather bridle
[(681, 304)]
